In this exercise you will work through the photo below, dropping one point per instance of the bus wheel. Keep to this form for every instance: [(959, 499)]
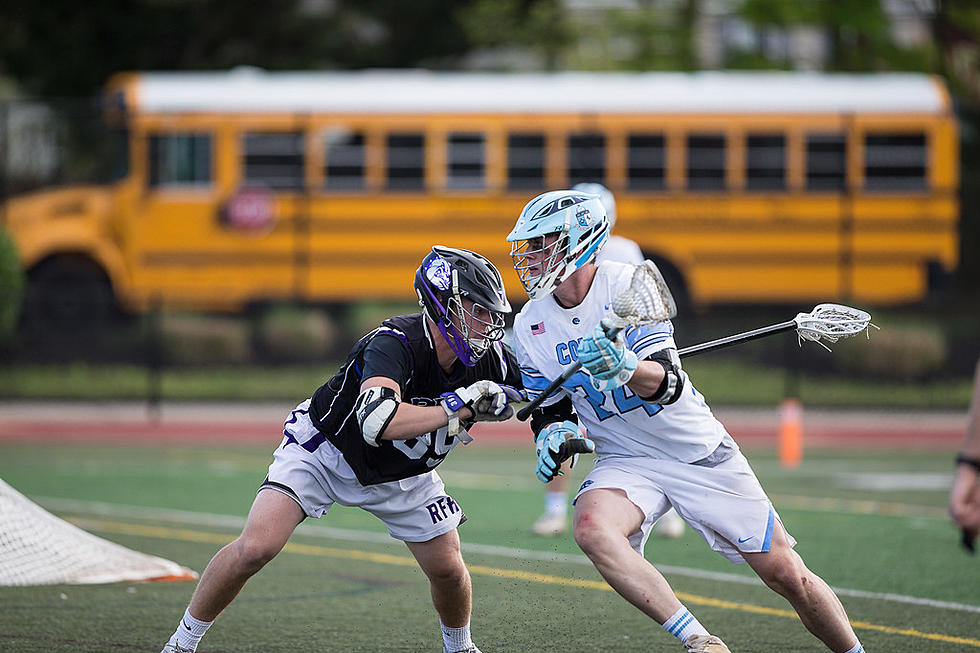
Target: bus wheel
[(69, 293), (675, 282)]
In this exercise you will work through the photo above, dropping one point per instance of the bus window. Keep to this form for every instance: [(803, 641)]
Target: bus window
[(765, 162), (895, 161), (180, 159), (586, 158), (466, 161), (826, 162), (274, 159), (344, 169), (406, 161), (525, 161), (706, 162), (646, 162)]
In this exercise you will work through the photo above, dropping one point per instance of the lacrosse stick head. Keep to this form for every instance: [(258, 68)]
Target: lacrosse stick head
[(647, 300), (831, 322)]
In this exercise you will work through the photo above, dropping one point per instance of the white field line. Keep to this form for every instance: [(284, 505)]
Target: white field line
[(104, 509)]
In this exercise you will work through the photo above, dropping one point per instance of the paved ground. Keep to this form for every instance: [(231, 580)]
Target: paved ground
[(262, 422)]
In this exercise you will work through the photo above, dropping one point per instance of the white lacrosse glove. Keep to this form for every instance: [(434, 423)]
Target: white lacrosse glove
[(610, 363), (489, 402), (556, 443)]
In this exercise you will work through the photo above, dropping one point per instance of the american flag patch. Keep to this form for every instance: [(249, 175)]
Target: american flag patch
[(537, 329)]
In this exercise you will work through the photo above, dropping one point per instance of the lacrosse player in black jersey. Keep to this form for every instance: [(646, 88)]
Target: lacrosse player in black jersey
[(373, 434)]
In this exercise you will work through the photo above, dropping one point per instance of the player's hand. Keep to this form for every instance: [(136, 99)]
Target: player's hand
[(610, 363), (487, 400), (964, 503), (555, 444)]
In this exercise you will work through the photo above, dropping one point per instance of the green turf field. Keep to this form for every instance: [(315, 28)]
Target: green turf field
[(873, 524)]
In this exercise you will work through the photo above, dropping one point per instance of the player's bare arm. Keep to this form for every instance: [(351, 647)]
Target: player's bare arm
[(408, 420), (382, 415)]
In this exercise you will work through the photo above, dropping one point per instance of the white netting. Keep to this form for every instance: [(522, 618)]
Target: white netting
[(648, 298), (831, 322), (37, 548)]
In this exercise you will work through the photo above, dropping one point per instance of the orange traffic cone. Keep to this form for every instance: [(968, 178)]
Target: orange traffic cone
[(790, 432)]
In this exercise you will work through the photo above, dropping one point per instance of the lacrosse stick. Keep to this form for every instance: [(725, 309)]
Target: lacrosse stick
[(829, 322), (647, 300)]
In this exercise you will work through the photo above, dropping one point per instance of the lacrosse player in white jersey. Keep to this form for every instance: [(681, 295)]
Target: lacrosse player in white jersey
[(372, 435), (657, 442), (554, 521)]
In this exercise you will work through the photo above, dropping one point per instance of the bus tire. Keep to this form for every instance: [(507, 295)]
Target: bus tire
[(675, 282), (68, 293)]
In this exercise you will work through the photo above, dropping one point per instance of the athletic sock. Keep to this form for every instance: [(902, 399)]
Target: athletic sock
[(556, 503), (682, 625), (857, 649), (190, 631), (456, 639)]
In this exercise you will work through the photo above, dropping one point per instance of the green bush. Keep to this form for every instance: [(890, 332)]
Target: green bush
[(190, 339), (11, 286), (895, 353), (293, 334)]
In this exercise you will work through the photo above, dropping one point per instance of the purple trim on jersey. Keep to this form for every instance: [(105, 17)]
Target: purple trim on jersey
[(293, 417)]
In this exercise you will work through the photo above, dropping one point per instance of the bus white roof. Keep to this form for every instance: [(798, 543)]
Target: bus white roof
[(252, 90)]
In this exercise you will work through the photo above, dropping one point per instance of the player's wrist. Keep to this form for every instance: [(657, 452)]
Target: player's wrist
[(971, 461)]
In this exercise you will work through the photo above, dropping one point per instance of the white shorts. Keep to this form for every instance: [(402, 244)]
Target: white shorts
[(725, 504), (414, 509)]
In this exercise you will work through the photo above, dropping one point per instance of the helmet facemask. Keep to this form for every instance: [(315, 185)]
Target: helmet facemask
[(550, 259), (474, 330)]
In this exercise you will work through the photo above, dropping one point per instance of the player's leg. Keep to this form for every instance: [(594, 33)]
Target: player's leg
[(782, 569), (605, 518), (270, 522), (449, 583), (554, 520)]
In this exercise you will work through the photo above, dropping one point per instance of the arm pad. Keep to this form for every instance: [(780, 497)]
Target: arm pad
[(375, 408), (675, 378), (559, 411)]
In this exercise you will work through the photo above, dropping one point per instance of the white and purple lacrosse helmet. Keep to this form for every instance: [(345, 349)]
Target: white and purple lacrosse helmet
[(580, 221), (444, 278)]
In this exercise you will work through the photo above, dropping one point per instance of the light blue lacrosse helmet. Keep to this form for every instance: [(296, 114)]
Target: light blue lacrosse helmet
[(580, 221)]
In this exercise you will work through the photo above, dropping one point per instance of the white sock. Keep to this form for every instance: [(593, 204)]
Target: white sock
[(857, 649), (682, 625), (190, 631), (456, 639), (556, 503)]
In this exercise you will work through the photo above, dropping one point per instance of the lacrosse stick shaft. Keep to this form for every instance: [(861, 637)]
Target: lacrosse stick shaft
[(525, 412), (712, 345), (737, 338)]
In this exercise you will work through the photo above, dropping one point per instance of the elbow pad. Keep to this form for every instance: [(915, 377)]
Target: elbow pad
[(375, 408), (675, 378)]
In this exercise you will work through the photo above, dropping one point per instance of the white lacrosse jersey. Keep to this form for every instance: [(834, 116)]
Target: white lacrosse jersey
[(546, 338), (618, 248)]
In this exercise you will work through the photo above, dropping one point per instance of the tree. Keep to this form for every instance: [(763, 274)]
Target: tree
[(11, 286), (70, 49)]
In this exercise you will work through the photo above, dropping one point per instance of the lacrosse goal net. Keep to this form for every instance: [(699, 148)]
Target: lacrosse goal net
[(37, 548)]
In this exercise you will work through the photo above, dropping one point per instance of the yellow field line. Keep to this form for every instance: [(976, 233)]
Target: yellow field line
[(481, 570)]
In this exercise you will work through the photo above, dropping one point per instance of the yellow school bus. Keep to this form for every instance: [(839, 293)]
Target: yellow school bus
[(247, 186)]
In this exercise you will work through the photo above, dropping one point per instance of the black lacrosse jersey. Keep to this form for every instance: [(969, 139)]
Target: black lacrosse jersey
[(400, 349)]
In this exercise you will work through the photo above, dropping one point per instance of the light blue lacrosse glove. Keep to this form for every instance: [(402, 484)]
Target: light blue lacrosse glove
[(556, 443), (610, 363)]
